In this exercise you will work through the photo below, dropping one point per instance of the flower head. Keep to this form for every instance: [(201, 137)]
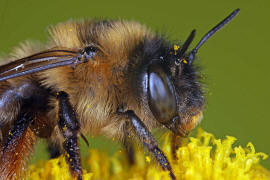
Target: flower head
[(202, 157)]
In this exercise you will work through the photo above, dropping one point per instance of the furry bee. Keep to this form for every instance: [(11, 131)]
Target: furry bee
[(115, 78)]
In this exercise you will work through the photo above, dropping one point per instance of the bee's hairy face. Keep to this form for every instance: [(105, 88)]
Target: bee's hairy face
[(172, 89)]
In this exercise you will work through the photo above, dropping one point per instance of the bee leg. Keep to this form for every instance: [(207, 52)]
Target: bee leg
[(54, 150), (16, 146), (129, 149), (148, 140), (69, 126)]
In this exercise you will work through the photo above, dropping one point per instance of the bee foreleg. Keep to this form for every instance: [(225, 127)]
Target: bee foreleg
[(16, 146), (148, 140), (69, 126), (128, 146), (54, 150)]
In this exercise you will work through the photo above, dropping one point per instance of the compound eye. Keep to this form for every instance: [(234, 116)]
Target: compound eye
[(161, 95)]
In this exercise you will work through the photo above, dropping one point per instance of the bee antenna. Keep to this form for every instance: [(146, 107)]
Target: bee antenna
[(192, 54), (186, 45)]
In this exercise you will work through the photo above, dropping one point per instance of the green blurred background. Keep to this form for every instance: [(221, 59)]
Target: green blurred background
[(235, 60)]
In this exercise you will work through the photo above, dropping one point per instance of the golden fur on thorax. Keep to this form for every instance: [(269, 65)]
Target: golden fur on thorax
[(98, 89)]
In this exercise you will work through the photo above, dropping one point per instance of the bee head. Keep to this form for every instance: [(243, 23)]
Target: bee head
[(173, 90), (174, 93)]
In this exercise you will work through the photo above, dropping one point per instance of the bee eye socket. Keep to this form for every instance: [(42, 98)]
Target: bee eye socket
[(161, 95)]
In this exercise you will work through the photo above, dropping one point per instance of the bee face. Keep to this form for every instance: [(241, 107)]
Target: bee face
[(173, 93), (171, 89)]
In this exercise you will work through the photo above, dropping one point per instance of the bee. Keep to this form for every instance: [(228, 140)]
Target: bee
[(110, 77)]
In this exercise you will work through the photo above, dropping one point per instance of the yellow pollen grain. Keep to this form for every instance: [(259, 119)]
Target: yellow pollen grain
[(175, 47), (184, 61)]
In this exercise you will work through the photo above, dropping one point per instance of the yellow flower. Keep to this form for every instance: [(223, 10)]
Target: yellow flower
[(203, 157)]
